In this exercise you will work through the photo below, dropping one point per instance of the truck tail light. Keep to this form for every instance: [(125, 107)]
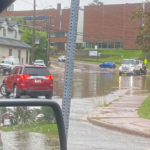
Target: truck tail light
[(49, 77), (24, 76)]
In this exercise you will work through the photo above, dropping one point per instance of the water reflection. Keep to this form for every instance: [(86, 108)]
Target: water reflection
[(87, 84)]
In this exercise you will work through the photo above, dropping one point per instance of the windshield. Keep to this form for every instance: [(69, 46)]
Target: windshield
[(36, 71), (128, 62), (6, 62), (39, 61), (90, 48)]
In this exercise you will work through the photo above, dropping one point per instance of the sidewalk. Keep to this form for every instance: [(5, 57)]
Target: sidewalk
[(122, 116)]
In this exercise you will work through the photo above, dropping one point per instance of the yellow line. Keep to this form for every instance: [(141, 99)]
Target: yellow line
[(12, 146)]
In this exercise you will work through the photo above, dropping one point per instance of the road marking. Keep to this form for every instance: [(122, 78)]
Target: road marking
[(12, 146)]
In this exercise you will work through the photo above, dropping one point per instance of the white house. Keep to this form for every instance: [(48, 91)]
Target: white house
[(10, 41)]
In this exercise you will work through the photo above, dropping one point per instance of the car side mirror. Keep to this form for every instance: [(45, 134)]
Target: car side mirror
[(32, 119)]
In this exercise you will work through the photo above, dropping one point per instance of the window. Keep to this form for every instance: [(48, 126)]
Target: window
[(14, 71), (19, 54), (4, 31), (117, 45), (15, 34), (27, 57), (36, 71), (111, 45), (20, 72), (104, 45), (10, 52), (99, 45)]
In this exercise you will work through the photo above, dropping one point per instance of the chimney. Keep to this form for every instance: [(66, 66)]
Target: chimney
[(59, 6)]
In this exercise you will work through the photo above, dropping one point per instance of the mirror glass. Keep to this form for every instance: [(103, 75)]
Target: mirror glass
[(25, 128)]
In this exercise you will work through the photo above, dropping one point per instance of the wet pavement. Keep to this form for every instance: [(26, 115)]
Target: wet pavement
[(91, 86)]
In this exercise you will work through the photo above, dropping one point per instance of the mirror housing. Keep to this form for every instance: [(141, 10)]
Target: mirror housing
[(5, 4), (40, 102)]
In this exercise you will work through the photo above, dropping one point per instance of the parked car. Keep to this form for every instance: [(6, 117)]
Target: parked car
[(128, 67), (39, 62), (28, 80), (139, 65), (62, 58), (9, 63), (108, 65)]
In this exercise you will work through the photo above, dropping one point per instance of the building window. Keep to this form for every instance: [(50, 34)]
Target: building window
[(27, 57), (111, 45), (19, 54), (10, 52), (15, 34), (104, 45), (4, 31)]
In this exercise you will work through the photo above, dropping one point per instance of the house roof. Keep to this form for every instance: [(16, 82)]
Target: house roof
[(14, 43)]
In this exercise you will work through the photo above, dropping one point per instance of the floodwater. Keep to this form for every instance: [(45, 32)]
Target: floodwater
[(90, 85), (91, 81)]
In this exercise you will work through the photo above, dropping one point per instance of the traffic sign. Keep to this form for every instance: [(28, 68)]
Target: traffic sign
[(145, 61)]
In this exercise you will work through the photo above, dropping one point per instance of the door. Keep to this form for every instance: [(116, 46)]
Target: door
[(8, 83), (12, 78)]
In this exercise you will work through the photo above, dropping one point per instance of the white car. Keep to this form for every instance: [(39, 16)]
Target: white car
[(39, 62), (62, 58), (127, 67)]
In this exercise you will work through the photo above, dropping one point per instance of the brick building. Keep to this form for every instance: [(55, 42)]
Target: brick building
[(60, 18), (109, 25)]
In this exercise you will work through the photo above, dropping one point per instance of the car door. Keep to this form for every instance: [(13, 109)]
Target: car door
[(13, 77), (8, 83), (105, 64)]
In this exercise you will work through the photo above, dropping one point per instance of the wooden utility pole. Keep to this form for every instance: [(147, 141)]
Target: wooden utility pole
[(33, 35), (48, 27), (97, 51)]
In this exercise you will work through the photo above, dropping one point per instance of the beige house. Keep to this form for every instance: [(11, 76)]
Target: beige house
[(10, 41)]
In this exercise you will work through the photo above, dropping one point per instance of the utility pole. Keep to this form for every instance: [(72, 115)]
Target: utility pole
[(48, 27), (33, 35), (71, 48), (97, 51)]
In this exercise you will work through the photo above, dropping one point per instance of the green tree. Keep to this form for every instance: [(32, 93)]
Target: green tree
[(143, 36), (21, 114), (26, 36), (3, 110), (38, 111), (48, 113), (16, 115), (96, 2)]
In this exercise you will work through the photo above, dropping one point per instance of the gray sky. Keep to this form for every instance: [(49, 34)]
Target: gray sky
[(41, 4)]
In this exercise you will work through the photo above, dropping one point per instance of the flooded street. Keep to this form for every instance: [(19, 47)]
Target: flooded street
[(91, 87)]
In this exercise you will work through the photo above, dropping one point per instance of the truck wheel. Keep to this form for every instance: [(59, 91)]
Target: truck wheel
[(3, 92), (16, 93)]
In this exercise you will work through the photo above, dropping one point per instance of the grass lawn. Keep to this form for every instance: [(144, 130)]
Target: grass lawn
[(39, 127), (144, 110), (122, 54)]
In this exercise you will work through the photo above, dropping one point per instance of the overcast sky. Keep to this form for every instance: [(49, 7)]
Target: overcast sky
[(41, 4)]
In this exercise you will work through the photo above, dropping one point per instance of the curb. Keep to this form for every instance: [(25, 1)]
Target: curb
[(118, 128)]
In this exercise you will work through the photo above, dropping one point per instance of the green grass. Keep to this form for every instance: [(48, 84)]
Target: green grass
[(144, 110), (120, 54), (127, 54), (39, 127), (96, 118)]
